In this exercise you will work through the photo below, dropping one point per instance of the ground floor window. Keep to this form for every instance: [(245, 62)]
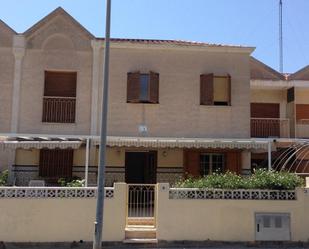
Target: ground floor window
[(56, 163), (211, 163)]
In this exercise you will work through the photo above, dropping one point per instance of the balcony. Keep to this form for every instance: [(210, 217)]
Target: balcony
[(302, 128), (270, 127), (59, 109)]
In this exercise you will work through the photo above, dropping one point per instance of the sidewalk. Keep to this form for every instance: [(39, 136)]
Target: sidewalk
[(170, 245)]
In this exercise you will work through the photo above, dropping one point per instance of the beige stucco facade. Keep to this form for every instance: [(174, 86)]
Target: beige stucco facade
[(58, 44), (179, 111)]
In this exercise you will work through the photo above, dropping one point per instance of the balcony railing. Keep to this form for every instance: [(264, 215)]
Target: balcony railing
[(302, 128), (59, 109), (270, 127)]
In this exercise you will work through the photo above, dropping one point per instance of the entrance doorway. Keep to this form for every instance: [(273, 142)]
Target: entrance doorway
[(141, 167)]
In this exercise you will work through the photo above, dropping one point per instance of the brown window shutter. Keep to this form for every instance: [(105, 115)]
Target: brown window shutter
[(192, 163), (133, 87), (265, 110), (207, 89), (233, 161), (153, 87), (60, 84), (302, 111), (56, 163), (229, 89)]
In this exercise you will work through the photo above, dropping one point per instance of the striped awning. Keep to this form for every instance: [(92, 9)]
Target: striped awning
[(197, 143), (42, 144)]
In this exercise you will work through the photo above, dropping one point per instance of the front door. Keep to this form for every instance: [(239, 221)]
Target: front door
[(141, 167)]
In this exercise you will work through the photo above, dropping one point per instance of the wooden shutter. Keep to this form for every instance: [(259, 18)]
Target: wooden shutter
[(233, 161), (229, 89), (192, 163), (56, 163), (265, 110), (207, 89), (60, 84), (302, 111), (153, 87), (133, 87)]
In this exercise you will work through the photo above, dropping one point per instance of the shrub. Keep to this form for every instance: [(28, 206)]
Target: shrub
[(4, 175), (261, 179), (71, 183)]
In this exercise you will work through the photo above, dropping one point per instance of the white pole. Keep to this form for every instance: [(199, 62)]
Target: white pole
[(87, 162), (269, 154)]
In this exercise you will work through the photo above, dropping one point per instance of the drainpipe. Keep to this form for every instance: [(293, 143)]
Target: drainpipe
[(269, 154), (87, 162)]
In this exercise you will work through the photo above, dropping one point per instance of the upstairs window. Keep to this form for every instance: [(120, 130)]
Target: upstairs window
[(59, 101), (143, 88), (215, 90)]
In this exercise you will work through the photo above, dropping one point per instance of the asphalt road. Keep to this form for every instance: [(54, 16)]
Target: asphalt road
[(199, 245)]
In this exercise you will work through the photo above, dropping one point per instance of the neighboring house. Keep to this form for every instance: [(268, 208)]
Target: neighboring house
[(280, 109), (175, 107)]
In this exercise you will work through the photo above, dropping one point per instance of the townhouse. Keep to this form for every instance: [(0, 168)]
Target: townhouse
[(175, 107)]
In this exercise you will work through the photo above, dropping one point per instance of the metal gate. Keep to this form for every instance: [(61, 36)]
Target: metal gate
[(141, 204)]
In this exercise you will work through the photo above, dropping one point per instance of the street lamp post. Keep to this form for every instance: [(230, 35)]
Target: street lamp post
[(98, 227)]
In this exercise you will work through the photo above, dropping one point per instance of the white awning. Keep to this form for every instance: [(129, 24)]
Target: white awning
[(197, 143), (40, 144)]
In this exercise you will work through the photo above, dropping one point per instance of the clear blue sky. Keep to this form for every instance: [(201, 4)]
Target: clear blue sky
[(244, 22)]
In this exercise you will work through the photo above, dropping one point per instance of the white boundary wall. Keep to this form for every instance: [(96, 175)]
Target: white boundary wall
[(61, 219)]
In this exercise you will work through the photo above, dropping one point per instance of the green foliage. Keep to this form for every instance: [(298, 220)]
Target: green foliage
[(261, 179), (4, 175), (71, 183)]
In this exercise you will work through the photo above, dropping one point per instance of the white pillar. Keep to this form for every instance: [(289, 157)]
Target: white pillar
[(87, 162), (269, 155), (96, 47), (19, 52)]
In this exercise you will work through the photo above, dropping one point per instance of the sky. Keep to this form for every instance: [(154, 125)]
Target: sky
[(238, 22)]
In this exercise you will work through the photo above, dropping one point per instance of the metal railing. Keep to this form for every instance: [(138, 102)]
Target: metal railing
[(141, 199), (302, 128), (53, 192), (270, 127), (59, 109)]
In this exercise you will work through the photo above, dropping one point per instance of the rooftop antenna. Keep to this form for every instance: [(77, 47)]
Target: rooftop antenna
[(280, 38)]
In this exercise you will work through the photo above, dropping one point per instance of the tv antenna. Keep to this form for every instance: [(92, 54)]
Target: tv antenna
[(280, 37)]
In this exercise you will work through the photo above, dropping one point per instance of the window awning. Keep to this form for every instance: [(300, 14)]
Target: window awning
[(38, 143), (196, 143)]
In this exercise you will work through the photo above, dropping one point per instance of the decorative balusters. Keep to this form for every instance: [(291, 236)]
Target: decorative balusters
[(59, 109), (52, 192), (237, 194)]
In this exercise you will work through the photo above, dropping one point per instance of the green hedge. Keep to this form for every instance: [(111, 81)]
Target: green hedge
[(261, 179), (4, 175)]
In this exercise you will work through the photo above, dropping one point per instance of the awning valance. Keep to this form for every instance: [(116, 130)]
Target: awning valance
[(40, 144), (197, 143)]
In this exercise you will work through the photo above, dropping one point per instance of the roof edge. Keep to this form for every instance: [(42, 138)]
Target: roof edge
[(55, 12), (8, 27), (156, 43), (269, 69)]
